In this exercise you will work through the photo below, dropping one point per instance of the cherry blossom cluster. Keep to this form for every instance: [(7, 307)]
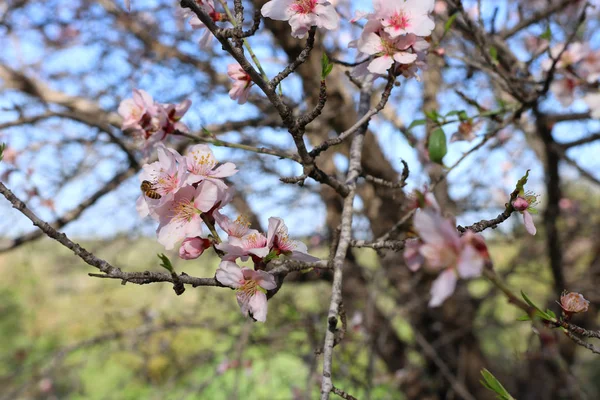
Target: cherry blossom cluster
[(394, 36), (441, 250), (150, 122), (578, 67), (185, 194)]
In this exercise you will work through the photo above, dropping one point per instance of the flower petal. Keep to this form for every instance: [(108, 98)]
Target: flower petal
[(443, 287)]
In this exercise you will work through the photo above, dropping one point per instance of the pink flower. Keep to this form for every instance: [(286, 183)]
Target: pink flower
[(202, 165), (174, 113), (302, 14), (251, 287), (241, 83), (180, 218), (386, 50), (166, 176), (140, 114), (208, 6), (192, 248), (573, 303), (237, 228), (564, 89), (442, 249), (279, 242), (252, 244), (525, 205), (400, 17), (572, 55)]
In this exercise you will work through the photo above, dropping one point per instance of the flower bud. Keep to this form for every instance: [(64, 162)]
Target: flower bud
[(192, 248), (573, 303), (520, 204)]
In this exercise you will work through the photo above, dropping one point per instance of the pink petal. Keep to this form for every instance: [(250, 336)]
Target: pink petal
[(258, 306), (528, 220), (470, 263), (229, 274), (442, 287), (380, 65), (277, 9)]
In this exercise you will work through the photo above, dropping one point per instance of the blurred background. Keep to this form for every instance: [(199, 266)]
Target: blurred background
[(66, 65)]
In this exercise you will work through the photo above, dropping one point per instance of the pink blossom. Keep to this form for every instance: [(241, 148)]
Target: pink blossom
[(279, 242), (399, 17), (525, 205), (167, 176), (572, 55), (442, 249), (252, 244), (237, 228), (386, 50), (174, 113), (302, 14), (466, 131), (241, 83), (573, 303), (202, 165), (251, 287), (180, 218), (208, 6), (140, 114), (564, 89), (192, 248)]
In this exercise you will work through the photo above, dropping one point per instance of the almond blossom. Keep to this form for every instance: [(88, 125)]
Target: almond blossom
[(400, 17), (241, 83), (192, 248), (573, 303), (180, 218), (140, 115), (208, 6), (387, 50), (252, 244), (236, 228), (525, 205), (202, 165), (167, 176), (303, 14), (251, 288), (279, 242), (441, 249), (150, 122)]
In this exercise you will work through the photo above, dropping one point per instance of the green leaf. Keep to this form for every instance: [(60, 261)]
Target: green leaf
[(521, 183), (166, 263), (524, 318), (437, 145), (449, 23), (550, 313), (326, 66), (547, 35), (417, 122), (2, 147), (432, 115), (491, 383), (494, 55)]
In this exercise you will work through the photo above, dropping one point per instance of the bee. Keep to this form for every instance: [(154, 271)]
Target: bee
[(149, 190)]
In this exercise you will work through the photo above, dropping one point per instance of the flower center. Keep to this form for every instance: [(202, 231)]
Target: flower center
[(255, 241), (184, 210), (283, 243), (247, 290), (166, 183), (304, 6), (240, 226), (203, 163), (400, 20)]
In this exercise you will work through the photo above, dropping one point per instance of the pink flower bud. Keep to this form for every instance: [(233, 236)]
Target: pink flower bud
[(573, 303), (192, 248), (520, 204)]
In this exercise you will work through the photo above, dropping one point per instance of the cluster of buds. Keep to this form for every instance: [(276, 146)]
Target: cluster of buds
[(185, 195), (150, 122), (394, 36), (441, 250)]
